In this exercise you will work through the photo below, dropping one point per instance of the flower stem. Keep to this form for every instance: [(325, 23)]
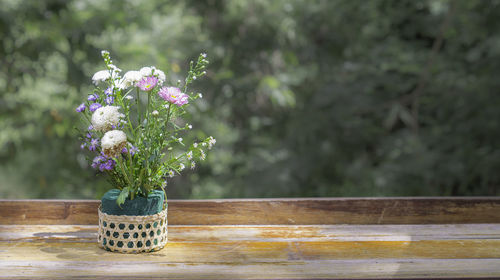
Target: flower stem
[(138, 102), (147, 109), (124, 173), (168, 119)]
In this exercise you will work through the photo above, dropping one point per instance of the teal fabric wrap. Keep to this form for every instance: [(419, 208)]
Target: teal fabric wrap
[(139, 206)]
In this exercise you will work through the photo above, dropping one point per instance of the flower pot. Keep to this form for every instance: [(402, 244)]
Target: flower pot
[(130, 233)]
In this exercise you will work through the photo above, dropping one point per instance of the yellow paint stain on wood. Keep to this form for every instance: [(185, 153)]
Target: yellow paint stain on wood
[(244, 251)]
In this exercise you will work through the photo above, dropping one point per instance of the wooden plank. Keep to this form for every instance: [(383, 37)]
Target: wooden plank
[(218, 244), (330, 269), (259, 252), (239, 252), (48, 212), (438, 210), (276, 233)]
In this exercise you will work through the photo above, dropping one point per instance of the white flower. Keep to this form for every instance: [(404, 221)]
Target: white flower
[(190, 126), (105, 117), (160, 75), (166, 106), (200, 95), (193, 165), (189, 155), (115, 69), (211, 142), (171, 173), (155, 113), (195, 145), (181, 167), (113, 142), (104, 52), (204, 55), (179, 139), (101, 76), (129, 79), (129, 97), (202, 155), (194, 77), (146, 71), (133, 76)]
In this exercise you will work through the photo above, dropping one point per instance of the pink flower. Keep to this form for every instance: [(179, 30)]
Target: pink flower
[(173, 95), (147, 83)]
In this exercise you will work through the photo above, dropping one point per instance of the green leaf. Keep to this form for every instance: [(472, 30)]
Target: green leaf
[(123, 195)]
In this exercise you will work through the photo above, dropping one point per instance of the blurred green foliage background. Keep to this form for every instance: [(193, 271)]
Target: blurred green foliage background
[(305, 98)]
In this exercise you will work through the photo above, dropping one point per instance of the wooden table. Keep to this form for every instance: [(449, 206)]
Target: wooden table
[(263, 239)]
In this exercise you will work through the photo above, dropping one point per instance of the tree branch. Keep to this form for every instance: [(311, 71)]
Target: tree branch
[(424, 76)]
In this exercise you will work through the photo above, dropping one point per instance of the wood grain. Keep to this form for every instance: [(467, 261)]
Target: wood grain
[(259, 252), (276, 233), (330, 269), (442, 210)]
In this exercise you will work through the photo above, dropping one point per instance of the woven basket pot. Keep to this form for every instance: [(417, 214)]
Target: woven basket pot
[(132, 234)]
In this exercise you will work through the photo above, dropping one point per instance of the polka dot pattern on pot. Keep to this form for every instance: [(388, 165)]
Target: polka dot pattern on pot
[(132, 234)]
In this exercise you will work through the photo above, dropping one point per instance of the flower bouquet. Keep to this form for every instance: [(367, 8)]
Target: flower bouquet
[(134, 127)]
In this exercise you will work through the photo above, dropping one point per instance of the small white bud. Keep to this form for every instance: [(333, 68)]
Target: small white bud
[(154, 113)]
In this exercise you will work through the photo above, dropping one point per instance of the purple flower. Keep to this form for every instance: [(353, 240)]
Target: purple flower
[(103, 163), (133, 150), (108, 91), (147, 83), (110, 100), (108, 165), (97, 161), (94, 106), (88, 135), (102, 166), (82, 146), (93, 144), (124, 151), (81, 108), (173, 95), (92, 97), (90, 127)]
